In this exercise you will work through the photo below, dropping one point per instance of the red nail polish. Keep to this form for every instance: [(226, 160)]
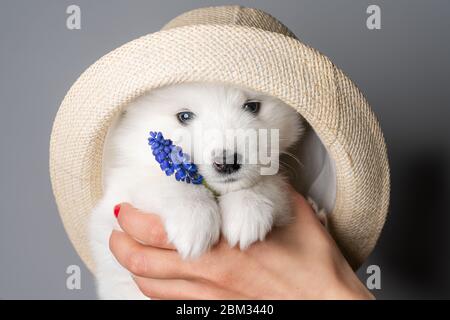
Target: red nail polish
[(116, 210)]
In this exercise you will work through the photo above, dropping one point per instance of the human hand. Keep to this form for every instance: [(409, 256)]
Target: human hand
[(298, 261)]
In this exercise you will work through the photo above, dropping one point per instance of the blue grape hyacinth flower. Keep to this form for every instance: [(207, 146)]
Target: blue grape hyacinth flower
[(172, 160)]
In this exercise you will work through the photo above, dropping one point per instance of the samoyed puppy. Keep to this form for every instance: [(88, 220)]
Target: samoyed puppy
[(246, 195)]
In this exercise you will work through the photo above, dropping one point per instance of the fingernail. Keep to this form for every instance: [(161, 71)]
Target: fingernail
[(116, 210)]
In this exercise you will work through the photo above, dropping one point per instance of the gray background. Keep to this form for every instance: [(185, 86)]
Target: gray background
[(403, 69)]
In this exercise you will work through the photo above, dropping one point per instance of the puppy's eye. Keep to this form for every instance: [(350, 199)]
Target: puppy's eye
[(251, 106), (185, 116)]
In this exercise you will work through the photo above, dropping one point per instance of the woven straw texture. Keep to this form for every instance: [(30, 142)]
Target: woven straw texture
[(239, 46)]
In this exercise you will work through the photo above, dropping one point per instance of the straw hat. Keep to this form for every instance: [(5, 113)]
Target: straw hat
[(240, 46)]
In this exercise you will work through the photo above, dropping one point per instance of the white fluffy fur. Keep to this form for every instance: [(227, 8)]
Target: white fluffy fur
[(244, 213)]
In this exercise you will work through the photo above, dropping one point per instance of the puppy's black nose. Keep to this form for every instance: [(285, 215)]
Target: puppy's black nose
[(227, 164)]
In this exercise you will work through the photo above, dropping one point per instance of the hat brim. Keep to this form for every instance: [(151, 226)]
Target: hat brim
[(260, 60)]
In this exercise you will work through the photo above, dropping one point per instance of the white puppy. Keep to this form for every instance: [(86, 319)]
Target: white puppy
[(199, 118)]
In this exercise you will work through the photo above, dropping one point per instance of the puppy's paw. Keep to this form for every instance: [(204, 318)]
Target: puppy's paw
[(193, 226), (246, 217)]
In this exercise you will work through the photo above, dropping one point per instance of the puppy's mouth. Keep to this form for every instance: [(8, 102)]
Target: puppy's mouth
[(228, 180), (224, 179)]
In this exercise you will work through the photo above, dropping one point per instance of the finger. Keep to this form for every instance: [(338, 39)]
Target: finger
[(148, 261), (303, 211), (178, 289), (307, 225), (145, 227)]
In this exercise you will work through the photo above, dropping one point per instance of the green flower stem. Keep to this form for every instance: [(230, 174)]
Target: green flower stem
[(207, 186)]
